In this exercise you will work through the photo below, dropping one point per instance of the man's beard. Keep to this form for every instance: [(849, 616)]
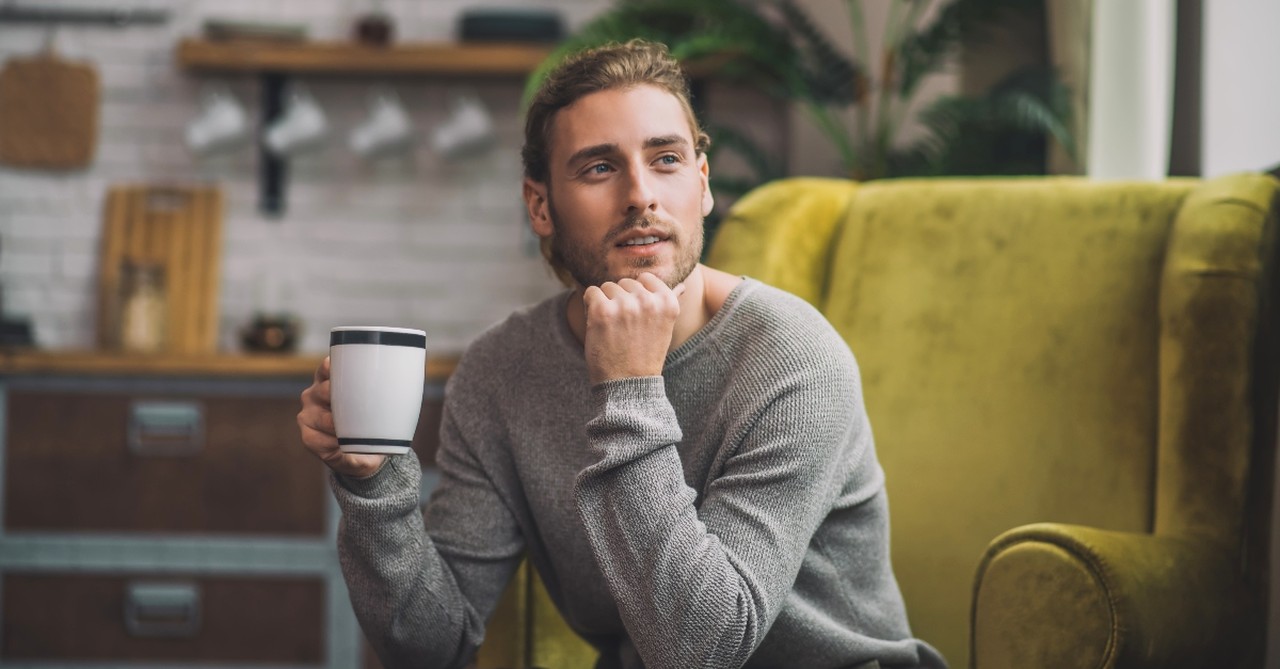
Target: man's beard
[(590, 268)]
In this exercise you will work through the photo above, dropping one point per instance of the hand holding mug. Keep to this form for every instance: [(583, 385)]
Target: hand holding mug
[(366, 398), (321, 438)]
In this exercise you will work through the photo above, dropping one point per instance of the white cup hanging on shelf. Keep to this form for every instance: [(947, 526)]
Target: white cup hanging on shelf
[(221, 124), (302, 127), (386, 129), (469, 128)]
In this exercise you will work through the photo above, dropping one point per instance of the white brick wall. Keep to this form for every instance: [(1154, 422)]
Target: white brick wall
[(423, 241)]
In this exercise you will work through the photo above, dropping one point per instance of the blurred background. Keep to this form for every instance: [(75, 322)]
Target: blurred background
[(341, 162), (428, 231)]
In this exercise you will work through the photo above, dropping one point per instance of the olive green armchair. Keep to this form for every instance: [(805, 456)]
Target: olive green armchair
[(1073, 390)]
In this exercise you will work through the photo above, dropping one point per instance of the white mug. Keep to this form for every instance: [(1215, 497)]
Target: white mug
[(376, 378), (387, 128), (222, 123), (469, 127), (302, 126)]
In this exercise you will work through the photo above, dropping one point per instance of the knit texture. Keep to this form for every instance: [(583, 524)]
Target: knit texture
[(728, 513)]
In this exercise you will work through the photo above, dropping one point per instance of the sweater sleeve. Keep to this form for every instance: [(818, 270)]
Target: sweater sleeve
[(699, 583), (422, 593)]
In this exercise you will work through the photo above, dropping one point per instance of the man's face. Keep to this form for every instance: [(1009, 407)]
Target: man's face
[(626, 192)]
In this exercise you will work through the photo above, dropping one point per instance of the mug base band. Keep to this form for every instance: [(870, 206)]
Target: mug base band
[(374, 450), (378, 446)]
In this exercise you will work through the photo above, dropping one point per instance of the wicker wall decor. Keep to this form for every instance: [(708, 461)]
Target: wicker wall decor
[(48, 112)]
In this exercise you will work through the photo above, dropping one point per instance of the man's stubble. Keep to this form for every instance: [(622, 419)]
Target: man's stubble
[(589, 268)]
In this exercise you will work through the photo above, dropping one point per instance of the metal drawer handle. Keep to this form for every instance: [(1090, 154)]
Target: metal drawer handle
[(162, 609), (166, 427)]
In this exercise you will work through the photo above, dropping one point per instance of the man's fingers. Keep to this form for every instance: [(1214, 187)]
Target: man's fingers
[(656, 285), (322, 372), (592, 295), (668, 297), (324, 423), (633, 286), (319, 420), (317, 394), (612, 290)]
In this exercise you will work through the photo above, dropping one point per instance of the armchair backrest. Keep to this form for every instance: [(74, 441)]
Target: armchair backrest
[(1041, 349)]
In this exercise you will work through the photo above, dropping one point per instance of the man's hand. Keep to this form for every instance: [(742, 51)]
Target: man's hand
[(318, 434), (629, 327)]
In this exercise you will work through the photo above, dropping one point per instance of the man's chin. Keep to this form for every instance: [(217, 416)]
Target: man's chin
[(669, 275), (634, 272)]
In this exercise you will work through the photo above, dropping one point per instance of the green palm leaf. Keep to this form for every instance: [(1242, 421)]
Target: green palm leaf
[(823, 74), (759, 52)]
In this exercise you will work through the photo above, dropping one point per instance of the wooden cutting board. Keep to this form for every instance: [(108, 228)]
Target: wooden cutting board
[(178, 228), (48, 112)]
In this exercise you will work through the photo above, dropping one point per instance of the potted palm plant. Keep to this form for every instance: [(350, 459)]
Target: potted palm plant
[(776, 47)]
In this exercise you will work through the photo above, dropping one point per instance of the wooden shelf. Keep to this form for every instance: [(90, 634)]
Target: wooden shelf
[(275, 62), (446, 59), (27, 361)]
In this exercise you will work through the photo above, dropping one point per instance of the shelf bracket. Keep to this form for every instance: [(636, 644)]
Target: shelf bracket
[(273, 170)]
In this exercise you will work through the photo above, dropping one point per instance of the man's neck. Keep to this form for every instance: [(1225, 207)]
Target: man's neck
[(705, 291)]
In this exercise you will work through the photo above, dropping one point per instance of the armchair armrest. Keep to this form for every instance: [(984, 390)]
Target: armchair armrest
[(1050, 595)]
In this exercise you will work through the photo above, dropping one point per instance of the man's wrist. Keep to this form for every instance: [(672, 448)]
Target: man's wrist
[(367, 467)]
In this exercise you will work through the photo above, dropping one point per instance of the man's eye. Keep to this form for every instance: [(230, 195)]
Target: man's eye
[(669, 159), (598, 168)]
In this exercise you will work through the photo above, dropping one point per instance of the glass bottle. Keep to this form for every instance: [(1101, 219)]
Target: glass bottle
[(142, 308)]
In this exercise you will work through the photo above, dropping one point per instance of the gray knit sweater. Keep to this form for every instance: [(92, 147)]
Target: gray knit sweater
[(729, 513)]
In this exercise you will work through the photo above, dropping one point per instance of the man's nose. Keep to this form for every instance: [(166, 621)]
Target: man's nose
[(640, 192)]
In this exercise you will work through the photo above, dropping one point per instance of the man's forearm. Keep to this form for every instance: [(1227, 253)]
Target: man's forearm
[(408, 605), (695, 587)]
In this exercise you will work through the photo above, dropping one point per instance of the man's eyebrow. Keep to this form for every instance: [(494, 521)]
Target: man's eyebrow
[(591, 152), (665, 140)]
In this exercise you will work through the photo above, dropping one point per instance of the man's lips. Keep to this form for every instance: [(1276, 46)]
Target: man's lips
[(644, 240), (641, 245), (639, 227), (641, 237)]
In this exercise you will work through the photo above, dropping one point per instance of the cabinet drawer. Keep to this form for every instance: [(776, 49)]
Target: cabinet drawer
[(162, 619), (168, 463)]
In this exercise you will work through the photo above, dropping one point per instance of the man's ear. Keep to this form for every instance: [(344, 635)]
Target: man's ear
[(708, 202), (535, 201)]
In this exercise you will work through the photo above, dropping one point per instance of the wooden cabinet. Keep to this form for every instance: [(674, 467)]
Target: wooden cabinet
[(159, 462), (163, 511), (163, 618)]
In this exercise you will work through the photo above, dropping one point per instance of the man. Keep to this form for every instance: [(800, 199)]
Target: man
[(683, 454)]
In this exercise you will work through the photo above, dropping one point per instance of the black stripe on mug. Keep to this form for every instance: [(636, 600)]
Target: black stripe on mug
[(379, 337), (352, 441)]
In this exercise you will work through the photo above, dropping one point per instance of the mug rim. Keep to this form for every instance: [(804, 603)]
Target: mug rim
[(377, 328)]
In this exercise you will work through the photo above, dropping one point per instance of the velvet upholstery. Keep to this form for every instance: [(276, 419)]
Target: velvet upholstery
[(1072, 387)]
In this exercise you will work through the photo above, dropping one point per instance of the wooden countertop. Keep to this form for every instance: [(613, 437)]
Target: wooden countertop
[(31, 361)]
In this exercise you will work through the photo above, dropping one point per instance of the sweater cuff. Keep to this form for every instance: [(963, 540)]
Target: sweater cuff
[(631, 417), (397, 473)]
